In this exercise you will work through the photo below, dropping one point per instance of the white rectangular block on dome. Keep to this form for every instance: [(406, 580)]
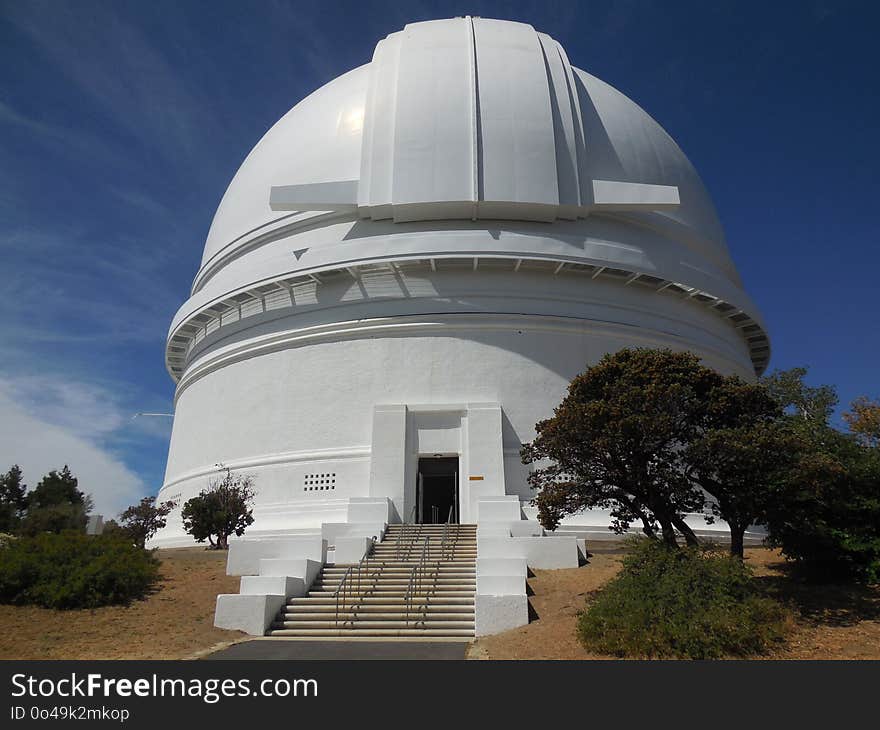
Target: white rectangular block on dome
[(245, 555)]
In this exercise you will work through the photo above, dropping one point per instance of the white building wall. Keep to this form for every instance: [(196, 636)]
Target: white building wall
[(322, 422)]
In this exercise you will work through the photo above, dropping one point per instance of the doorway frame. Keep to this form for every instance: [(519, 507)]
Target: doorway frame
[(456, 489)]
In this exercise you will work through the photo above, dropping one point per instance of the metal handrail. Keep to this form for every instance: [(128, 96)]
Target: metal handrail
[(364, 563), (341, 588), (402, 534), (347, 583), (444, 543), (416, 578)]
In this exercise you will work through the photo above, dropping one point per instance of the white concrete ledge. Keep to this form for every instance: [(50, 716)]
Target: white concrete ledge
[(501, 585), (494, 614), (351, 549), (369, 509), (286, 585), (493, 529), (252, 614), (499, 508), (331, 531), (245, 555), (539, 552), (502, 566), (282, 567), (526, 528)]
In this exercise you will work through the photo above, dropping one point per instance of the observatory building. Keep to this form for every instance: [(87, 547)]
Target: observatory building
[(411, 265)]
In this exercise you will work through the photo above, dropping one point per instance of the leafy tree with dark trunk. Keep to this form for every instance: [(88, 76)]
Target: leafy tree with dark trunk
[(617, 442), (739, 468), (143, 520), (825, 514), (12, 499), (222, 510)]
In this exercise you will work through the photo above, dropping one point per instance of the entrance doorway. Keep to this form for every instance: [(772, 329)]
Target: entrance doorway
[(437, 490)]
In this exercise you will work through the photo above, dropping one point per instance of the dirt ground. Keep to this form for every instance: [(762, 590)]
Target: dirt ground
[(830, 622), (175, 622)]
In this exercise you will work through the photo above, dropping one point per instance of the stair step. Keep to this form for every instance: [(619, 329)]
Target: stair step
[(399, 570), (374, 616), (374, 600), (377, 608), (403, 580), (400, 594), (371, 632), (399, 624), (444, 600)]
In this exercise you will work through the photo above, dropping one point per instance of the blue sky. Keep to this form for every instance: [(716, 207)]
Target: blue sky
[(121, 123)]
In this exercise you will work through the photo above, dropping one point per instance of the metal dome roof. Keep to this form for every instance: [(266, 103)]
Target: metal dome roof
[(458, 126)]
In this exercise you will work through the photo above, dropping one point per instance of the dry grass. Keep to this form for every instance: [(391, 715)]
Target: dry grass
[(175, 622), (831, 622)]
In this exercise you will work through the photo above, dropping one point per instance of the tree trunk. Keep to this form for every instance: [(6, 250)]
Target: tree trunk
[(668, 532), (689, 537), (222, 542), (648, 529), (736, 540)]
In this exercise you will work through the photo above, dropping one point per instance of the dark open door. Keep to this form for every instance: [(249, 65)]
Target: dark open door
[(437, 490)]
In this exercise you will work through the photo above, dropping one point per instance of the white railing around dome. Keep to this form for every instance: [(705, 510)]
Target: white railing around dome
[(241, 304)]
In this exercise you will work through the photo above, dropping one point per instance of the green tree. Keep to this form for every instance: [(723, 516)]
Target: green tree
[(143, 520), (616, 442), (863, 420), (825, 514), (222, 510), (739, 468), (57, 487), (56, 504), (13, 499), (811, 404)]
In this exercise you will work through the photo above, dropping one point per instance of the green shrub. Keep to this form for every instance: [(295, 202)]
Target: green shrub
[(73, 570), (691, 603)]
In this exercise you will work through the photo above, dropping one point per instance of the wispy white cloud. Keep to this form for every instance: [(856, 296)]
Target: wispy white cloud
[(77, 143), (46, 423), (64, 285), (141, 91)]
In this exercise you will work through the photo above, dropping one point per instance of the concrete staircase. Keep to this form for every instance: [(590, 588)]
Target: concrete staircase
[(419, 581)]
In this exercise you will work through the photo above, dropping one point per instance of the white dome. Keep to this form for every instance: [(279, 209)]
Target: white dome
[(467, 120), (416, 260)]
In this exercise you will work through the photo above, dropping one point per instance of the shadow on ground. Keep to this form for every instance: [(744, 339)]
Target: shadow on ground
[(342, 650), (822, 604)]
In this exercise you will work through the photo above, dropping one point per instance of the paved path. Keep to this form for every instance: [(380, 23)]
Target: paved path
[(281, 649)]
